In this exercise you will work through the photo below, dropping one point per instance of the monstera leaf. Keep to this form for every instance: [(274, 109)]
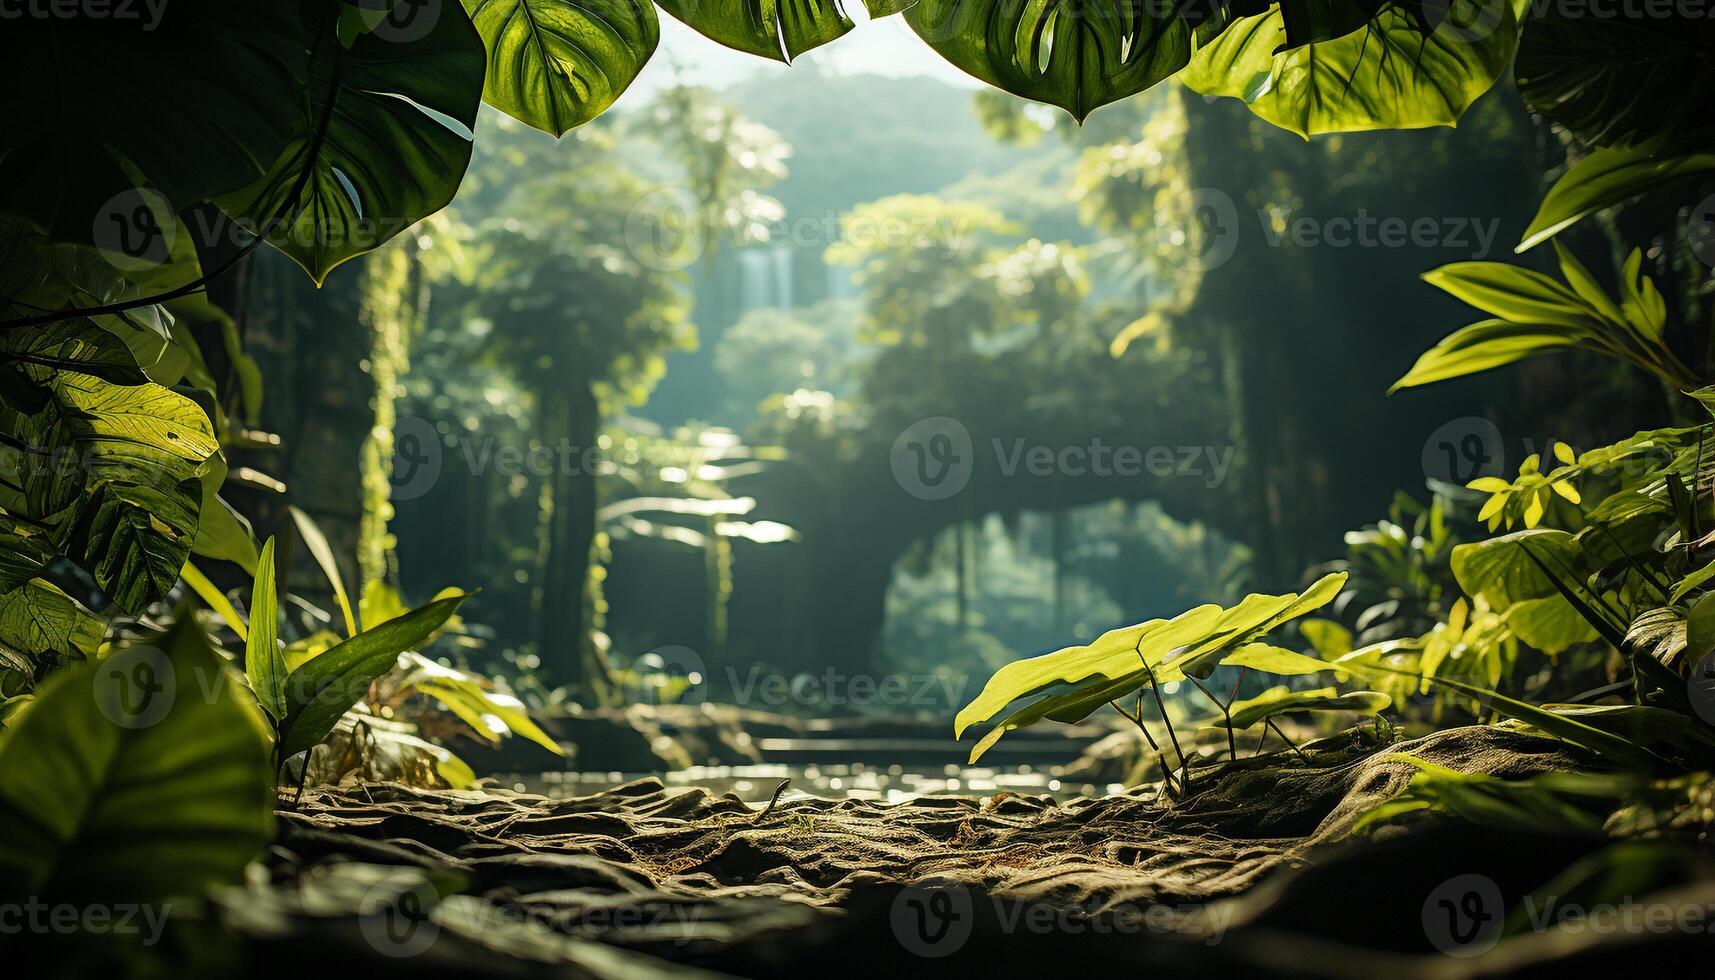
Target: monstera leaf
[(116, 475), (1075, 55), (140, 777), (75, 344), (38, 620), (769, 28), (1617, 81), (556, 64), (78, 136), (1393, 72), (382, 142)]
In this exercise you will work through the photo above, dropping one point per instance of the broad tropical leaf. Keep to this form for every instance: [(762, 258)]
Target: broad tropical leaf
[(140, 777), (1639, 77), (557, 64), (1075, 55), (1500, 570), (1075, 681), (76, 344), (38, 619), (770, 28), (118, 476), (1388, 74), (384, 140)]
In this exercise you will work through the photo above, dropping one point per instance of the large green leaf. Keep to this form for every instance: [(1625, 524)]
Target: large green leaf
[(1114, 654), (118, 478), (320, 691), (1639, 76), (1501, 571), (1389, 74), (1266, 659), (1073, 682), (140, 777), (768, 28), (1075, 54), (1548, 623), (38, 618), (1604, 179), (76, 119), (556, 64), (384, 140)]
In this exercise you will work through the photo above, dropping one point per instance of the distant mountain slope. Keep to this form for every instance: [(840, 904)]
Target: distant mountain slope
[(856, 138)]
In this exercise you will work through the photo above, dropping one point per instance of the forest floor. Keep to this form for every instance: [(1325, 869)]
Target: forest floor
[(1255, 873)]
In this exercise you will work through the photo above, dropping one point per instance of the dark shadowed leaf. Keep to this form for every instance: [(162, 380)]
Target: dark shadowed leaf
[(140, 777), (230, 69), (384, 138)]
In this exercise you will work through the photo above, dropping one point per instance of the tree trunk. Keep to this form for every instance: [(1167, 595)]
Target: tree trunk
[(563, 640)]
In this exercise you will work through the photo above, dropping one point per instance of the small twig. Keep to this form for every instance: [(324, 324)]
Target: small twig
[(1167, 777), (1289, 742), (303, 777), (1232, 740), (773, 800), (1236, 682), (1160, 705)]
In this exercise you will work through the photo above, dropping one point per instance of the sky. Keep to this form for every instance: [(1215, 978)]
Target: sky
[(882, 47)]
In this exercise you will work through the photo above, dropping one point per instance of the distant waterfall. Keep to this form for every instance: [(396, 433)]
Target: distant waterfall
[(765, 278), (783, 277)]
